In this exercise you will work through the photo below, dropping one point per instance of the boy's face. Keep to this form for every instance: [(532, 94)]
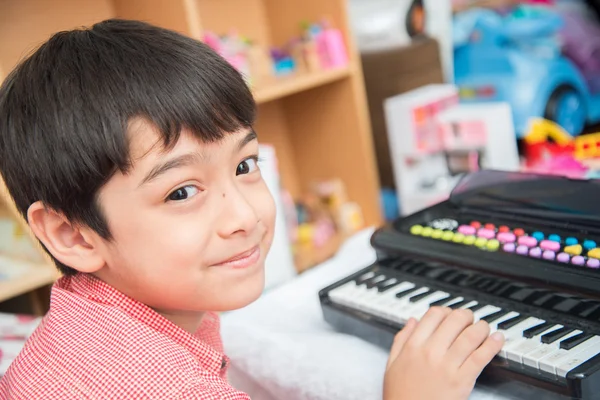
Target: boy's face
[(191, 226)]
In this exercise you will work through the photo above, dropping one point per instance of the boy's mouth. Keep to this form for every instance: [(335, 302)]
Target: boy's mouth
[(242, 260)]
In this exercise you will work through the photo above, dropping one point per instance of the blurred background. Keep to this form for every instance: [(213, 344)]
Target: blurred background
[(367, 109)]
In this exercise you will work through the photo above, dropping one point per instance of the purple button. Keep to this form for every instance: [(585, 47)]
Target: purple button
[(550, 245), (506, 237), (509, 247), (486, 233), (563, 257), (523, 250), (549, 255), (528, 241), (467, 230), (578, 260), (593, 263), (535, 252)]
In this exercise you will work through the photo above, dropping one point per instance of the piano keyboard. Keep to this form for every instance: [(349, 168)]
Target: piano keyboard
[(537, 337)]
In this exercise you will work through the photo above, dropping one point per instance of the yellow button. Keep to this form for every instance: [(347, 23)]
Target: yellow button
[(447, 236), (458, 238), (469, 240), (416, 229), (574, 250), (481, 242), (427, 231), (493, 245), (595, 253), (437, 233)]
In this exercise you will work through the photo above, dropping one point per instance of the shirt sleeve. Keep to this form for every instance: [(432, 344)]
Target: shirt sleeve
[(204, 392)]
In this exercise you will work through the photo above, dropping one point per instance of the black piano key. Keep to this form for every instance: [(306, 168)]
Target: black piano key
[(512, 288), (371, 283), (536, 330), (476, 307), (582, 307), (457, 279), (522, 294), (567, 305), (418, 297), (534, 296), (509, 323), (551, 303), (553, 336), (594, 315), (365, 277), (440, 302), (496, 285), (549, 297), (406, 292), (459, 304), (387, 284), (495, 316), (576, 340)]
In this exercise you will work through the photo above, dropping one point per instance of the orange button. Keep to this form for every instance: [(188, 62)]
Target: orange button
[(476, 224), (519, 232), (504, 228), (491, 227)]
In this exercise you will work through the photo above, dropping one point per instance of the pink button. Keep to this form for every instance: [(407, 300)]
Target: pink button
[(506, 237), (467, 230), (528, 241), (550, 245), (486, 233)]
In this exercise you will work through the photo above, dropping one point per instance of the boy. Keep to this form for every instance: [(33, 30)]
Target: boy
[(131, 153)]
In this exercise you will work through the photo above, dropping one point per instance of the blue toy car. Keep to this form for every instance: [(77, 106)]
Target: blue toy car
[(517, 59)]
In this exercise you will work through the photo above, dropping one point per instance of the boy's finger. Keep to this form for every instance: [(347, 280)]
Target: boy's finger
[(467, 342), (428, 325), (400, 339), (450, 330), (481, 357)]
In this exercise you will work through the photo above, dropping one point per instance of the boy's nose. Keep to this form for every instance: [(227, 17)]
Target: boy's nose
[(238, 216)]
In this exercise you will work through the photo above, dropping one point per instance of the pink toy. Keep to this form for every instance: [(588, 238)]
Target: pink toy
[(564, 165), (331, 48)]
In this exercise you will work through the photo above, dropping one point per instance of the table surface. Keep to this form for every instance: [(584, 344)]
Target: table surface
[(281, 348)]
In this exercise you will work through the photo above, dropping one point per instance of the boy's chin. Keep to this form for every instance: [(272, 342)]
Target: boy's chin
[(243, 296)]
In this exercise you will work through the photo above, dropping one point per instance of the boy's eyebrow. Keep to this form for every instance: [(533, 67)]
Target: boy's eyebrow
[(247, 139), (177, 162)]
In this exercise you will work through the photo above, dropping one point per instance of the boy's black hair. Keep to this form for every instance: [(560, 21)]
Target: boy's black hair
[(64, 111)]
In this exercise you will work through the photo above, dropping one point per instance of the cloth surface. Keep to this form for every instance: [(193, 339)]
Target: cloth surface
[(97, 343)]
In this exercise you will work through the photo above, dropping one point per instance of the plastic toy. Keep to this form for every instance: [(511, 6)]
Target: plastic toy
[(516, 58)]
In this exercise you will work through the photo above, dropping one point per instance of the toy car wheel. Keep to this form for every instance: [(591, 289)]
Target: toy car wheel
[(415, 19), (566, 108)]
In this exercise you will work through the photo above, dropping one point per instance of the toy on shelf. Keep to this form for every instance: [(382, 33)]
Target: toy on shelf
[(434, 140)]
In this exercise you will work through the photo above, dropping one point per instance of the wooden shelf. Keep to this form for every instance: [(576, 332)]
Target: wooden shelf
[(280, 87), (39, 275)]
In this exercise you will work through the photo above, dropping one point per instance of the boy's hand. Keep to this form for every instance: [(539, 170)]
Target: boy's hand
[(440, 357)]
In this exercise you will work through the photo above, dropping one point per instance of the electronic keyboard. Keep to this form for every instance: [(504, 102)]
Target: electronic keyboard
[(522, 251)]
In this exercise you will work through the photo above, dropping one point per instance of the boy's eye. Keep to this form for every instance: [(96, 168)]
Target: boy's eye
[(183, 193), (247, 166)]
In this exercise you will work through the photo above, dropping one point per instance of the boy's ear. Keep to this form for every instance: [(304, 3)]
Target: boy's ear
[(68, 243)]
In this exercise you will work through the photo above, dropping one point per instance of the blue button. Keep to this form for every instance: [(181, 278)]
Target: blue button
[(589, 244), (554, 238), (571, 241), (539, 236)]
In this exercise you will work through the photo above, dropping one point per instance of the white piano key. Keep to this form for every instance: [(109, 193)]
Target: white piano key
[(396, 308), (577, 359), (484, 312), (516, 332), (453, 301), (534, 357), (551, 362), (525, 345), (418, 309), (494, 324), (469, 304)]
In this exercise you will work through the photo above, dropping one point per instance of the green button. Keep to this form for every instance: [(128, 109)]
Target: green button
[(447, 236), (458, 238), (493, 245), (427, 231), (416, 229), (469, 240), (481, 242), (437, 233)]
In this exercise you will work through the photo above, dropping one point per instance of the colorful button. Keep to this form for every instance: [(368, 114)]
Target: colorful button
[(594, 253), (509, 247), (523, 250), (571, 241), (528, 241), (486, 233), (519, 232), (554, 237), (574, 250), (458, 238), (427, 231), (476, 224), (589, 244), (538, 235), (447, 236), (578, 260), (506, 237), (535, 252), (593, 263), (550, 245), (480, 242), (563, 257), (437, 233), (491, 227), (504, 228), (467, 230), (493, 245), (416, 229), (469, 240), (445, 224), (548, 255)]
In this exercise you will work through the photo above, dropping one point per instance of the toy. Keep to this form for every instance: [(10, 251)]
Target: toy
[(517, 58)]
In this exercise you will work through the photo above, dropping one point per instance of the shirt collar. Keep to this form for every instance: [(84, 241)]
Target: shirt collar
[(92, 289)]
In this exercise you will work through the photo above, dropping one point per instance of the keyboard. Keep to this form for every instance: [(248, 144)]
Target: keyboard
[(522, 260)]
